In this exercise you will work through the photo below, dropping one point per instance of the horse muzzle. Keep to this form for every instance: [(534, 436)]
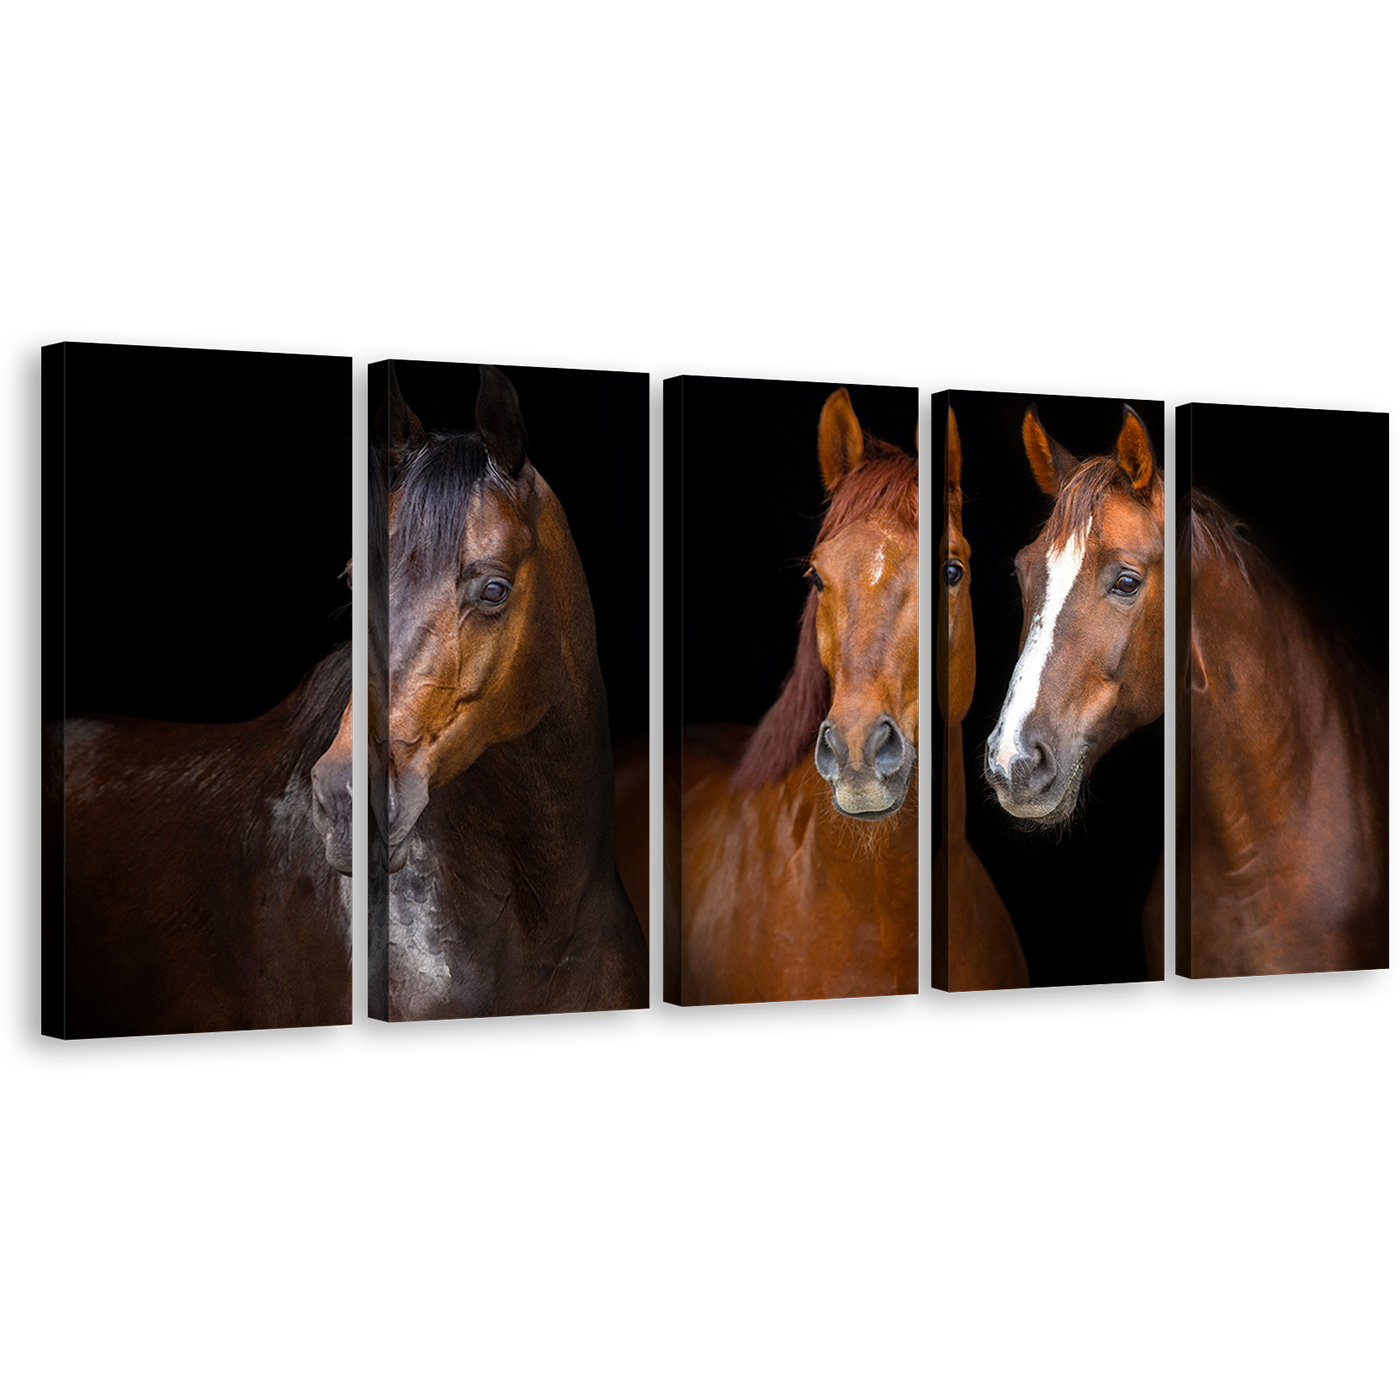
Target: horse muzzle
[(1031, 782), (869, 780)]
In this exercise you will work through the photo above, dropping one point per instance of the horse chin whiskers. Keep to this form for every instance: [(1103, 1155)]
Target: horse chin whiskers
[(1057, 825), (870, 837)]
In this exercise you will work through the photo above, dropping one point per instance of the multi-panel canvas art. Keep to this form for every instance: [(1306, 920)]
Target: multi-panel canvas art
[(198, 739)]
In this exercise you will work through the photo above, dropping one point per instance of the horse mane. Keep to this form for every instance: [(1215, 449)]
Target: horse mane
[(314, 708), (436, 484), (1083, 494), (886, 482), (1208, 527)]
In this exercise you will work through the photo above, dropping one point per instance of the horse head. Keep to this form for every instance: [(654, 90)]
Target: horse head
[(956, 650), (1092, 591)]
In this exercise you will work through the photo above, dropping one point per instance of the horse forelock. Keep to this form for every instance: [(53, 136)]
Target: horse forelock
[(1080, 499), (886, 483), (436, 487)]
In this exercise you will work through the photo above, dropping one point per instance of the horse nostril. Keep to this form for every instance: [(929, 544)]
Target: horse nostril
[(1033, 772), (884, 749), (831, 752)]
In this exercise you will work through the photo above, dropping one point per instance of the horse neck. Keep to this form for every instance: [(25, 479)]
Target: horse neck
[(1283, 735), (584, 694)]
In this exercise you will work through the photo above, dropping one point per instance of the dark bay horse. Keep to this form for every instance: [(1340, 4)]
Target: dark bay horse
[(1089, 670), (197, 896), (1282, 834), (799, 861), (974, 941), (492, 776)]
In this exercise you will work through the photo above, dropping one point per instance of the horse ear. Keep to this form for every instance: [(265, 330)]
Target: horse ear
[(839, 439), (1052, 464), (396, 425), (952, 468), (1135, 453), (499, 421)]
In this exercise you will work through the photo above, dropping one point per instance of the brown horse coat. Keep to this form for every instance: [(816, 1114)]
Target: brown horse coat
[(1282, 836), (800, 875), (197, 893)]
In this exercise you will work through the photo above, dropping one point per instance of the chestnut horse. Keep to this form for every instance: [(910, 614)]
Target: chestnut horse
[(1283, 860), (197, 896), (492, 789), (974, 941), (1090, 665), (799, 864)]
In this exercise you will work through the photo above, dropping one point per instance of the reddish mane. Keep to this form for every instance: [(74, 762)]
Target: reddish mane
[(1081, 497), (886, 482)]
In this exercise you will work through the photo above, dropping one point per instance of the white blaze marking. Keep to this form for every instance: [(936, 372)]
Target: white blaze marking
[(1062, 568)]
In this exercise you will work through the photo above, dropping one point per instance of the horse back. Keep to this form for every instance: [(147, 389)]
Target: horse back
[(194, 895)]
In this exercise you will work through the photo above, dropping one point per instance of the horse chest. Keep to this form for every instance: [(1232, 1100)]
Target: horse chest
[(478, 937), (436, 967)]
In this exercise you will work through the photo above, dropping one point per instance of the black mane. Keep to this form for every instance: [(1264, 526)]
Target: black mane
[(436, 485)]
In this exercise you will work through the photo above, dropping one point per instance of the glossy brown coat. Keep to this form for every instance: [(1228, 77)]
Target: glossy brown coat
[(1282, 836), (800, 878), (197, 896)]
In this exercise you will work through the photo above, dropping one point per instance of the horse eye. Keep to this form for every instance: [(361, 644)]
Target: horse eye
[(497, 591), (816, 579), (1126, 585), (952, 573)]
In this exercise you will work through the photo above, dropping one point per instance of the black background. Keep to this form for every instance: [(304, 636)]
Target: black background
[(206, 515), (210, 465)]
